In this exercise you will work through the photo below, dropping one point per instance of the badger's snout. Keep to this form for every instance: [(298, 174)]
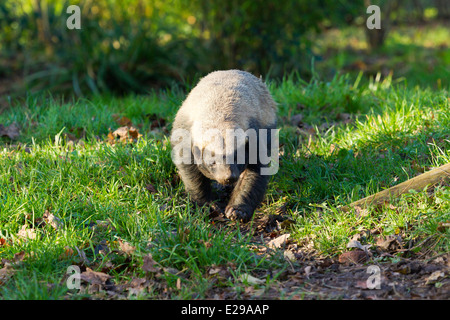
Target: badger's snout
[(227, 175)]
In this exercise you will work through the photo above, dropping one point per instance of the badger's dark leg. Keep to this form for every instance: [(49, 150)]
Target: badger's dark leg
[(247, 194), (249, 191), (195, 183)]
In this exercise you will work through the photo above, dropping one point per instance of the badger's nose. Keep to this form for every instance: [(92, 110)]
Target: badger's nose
[(227, 175), (231, 180), (232, 177)]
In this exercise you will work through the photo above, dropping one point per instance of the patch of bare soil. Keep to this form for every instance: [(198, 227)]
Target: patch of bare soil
[(379, 273)]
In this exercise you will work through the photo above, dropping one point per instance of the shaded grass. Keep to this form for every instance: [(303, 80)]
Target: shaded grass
[(416, 56)]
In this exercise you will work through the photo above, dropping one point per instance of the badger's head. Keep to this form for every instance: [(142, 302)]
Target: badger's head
[(218, 156)]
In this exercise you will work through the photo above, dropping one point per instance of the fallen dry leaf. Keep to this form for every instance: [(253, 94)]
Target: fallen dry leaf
[(126, 247), (355, 256), (289, 255), (26, 233), (8, 266), (52, 220), (150, 265), (122, 120), (360, 212), (68, 252), (279, 241), (390, 243), (151, 188), (250, 279), (5, 273), (124, 134), (18, 257), (356, 244), (307, 271), (434, 277), (12, 131), (137, 286), (94, 277), (134, 134)]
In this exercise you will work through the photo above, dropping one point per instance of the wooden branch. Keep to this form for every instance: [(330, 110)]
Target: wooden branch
[(418, 183)]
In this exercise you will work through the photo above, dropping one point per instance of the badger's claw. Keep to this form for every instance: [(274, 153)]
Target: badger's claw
[(234, 213)]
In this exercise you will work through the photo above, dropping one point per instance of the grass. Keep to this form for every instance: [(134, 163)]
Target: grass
[(417, 55), (355, 140)]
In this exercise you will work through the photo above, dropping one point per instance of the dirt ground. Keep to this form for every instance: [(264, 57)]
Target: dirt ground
[(385, 271), (381, 272)]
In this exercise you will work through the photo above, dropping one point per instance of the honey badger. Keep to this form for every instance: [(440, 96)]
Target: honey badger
[(222, 104)]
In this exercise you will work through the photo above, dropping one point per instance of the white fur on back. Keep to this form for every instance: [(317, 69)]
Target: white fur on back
[(228, 100)]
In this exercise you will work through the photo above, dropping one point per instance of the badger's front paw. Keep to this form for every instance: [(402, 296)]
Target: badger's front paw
[(238, 213)]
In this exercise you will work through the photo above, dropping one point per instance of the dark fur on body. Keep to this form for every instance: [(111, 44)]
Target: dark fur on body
[(247, 192)]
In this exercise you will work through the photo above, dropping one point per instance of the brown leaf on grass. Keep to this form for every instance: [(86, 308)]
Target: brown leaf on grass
[(121, 120), (12, 131), (121, 133), (52, 220), (126, 247), (68, 252), (6, 273), (361, 212), (391, 243), (26, 233), (18, 257), (94, 277), (2, 242), (111, 138), (8, 267), (289, 255), (353, 243), (124, 134), (355, 256), (150, 265), (134, 134), (245, 277), (435, 277), (207, 244), (279, 241), (221, 272), (151, 188), (138, 286)]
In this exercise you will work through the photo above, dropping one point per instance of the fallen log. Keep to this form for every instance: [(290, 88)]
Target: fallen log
[(430, 178)]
